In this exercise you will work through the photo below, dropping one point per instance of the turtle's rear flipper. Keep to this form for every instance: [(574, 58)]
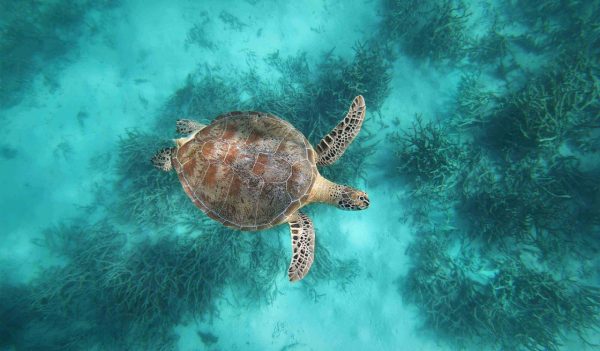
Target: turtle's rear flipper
[(162, 159), (188, 126), (303, 245), (333, 145)]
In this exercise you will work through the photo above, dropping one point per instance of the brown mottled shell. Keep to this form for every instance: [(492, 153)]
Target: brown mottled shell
[(247, 170)]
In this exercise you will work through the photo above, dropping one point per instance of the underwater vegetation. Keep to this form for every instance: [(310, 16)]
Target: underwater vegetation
[(504, 190), (206, 94), (232, 21), (543, 208), (473, 103), (491, 48), (328, 268), (7, 152), (34, 34), (536, 205), (198, 36), (555, 107), (502, 302), (428, 157), (15, 311), (433, 30), (561, 25), (520, 199), (147, 197), (115, 290)]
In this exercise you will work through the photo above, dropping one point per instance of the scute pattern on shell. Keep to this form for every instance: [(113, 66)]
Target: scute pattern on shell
[(248, 170)]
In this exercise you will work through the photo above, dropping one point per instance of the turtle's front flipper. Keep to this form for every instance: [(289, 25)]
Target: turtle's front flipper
[(162, 159), (303, 245), (333, 145), (188, 126)]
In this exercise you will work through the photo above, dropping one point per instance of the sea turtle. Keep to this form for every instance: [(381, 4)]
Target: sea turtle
[(253, 170)]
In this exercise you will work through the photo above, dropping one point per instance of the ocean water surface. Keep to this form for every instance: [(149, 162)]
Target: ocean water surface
[(479, 151)]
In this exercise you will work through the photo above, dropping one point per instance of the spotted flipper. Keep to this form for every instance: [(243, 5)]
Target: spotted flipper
[(333, 145), (162, 159), (187, 126), (303, 245)]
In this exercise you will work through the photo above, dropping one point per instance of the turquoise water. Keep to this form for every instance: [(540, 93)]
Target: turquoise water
[(479, 152)]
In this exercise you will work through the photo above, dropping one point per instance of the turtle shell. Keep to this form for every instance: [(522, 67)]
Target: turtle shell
[(247, 170)]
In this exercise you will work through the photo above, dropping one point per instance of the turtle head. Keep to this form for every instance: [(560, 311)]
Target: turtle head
[(342, 196), (352, 199)]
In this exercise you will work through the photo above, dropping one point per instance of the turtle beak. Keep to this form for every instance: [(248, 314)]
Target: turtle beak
[(363, 201)]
